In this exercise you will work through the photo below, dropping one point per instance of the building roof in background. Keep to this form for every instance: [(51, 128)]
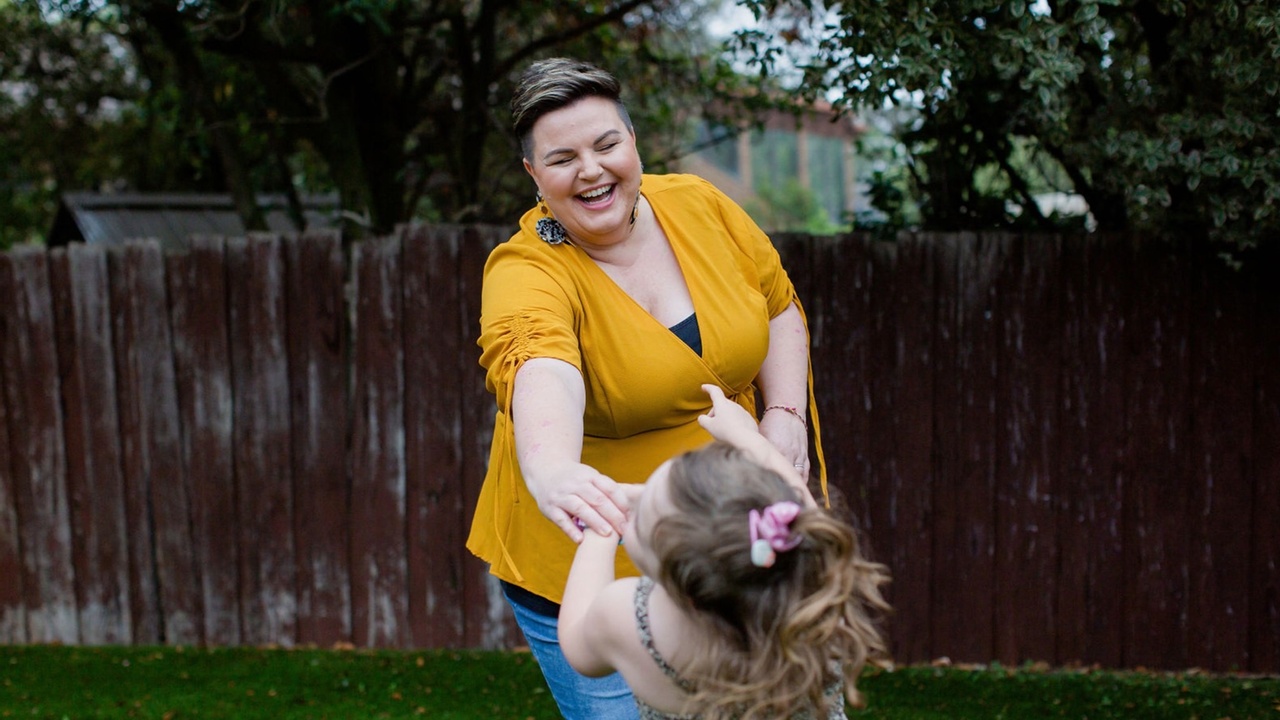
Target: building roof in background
[(171, 218)]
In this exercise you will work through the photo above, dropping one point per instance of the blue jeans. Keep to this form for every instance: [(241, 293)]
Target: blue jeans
[(579, 697)]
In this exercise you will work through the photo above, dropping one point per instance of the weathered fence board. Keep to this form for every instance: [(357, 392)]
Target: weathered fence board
[(95, 483), (1028, 396), (1264, 575), (261, 440), (13, 616), (163, 578), (13, 610), (964, 496), (1222, 384), (198, 313), (1064, 448), (948, 581), (887, 453), (1091, 581), (912, 306), (379, 572), (979, 424), (316, 340), (879, 409), (32, 394), (1156, 510), (433, 436), (122, 290)]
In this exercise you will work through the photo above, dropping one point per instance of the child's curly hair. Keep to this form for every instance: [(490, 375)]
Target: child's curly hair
[(783, 634)]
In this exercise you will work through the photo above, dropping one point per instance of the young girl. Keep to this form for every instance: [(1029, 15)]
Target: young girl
[(755, 603)]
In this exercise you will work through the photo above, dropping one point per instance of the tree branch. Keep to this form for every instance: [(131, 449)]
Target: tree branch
[(520, 55)]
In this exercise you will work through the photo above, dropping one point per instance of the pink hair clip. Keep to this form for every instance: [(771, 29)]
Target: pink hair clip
[(771, 532)]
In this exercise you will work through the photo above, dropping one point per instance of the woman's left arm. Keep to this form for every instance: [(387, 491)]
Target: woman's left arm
[(784, 383)]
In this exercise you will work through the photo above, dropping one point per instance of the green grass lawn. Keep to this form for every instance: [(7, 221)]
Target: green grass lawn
[(172, 683)]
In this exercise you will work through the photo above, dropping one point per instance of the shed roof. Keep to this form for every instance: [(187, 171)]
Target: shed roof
[(171, 218)]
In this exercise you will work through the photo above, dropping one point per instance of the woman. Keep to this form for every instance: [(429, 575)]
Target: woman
[(619, 296)]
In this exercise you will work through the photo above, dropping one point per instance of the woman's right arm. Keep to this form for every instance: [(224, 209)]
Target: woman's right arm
[(548, 402)]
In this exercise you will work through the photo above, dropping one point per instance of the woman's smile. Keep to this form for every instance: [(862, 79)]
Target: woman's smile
[(598, 197)]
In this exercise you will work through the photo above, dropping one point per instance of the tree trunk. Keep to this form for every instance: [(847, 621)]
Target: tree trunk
[(364, 137), (171, 32)]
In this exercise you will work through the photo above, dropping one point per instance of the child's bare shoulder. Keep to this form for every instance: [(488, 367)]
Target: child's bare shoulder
[(611, 618), (614, 600)]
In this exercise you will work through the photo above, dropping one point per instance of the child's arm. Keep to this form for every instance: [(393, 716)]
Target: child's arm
[(730, 422), (582, 618)]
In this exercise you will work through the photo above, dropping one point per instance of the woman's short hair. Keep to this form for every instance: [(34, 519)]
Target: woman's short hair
[(548, 85)]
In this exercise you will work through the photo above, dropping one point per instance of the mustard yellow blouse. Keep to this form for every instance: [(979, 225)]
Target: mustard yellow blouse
[(643, 392)]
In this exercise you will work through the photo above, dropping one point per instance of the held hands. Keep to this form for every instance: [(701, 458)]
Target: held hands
[(592, 539), (576, 491)]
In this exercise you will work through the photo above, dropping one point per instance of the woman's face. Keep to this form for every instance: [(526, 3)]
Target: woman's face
[(645, 513), (586, 165)]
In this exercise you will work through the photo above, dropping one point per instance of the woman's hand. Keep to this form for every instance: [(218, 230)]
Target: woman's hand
[(789, 436), (574, 491)]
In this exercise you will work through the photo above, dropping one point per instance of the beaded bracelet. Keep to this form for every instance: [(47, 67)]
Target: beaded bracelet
[(789, 409)]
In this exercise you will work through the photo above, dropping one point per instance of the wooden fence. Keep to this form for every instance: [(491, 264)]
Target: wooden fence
[(1065, 448)]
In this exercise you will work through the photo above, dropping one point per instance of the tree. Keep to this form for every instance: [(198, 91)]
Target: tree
[(790, 207), (400, 106), (1160, 113), (66, 118)]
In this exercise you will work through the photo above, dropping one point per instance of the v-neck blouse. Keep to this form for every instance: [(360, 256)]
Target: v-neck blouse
[(643, 383)]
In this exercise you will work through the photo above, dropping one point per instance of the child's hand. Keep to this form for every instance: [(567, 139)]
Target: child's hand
[(728, 421), (591, 537)]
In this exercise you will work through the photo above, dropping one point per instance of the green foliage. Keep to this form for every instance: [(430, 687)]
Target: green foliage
[(790, 207), (87, 109), (883, 167), (1162, 115), (58, 90), (400, 107)]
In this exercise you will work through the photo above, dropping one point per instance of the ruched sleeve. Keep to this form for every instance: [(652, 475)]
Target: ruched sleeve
[(525, 312)]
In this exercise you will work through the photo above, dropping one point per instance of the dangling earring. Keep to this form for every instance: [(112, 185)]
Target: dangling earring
[(548, 228), (635, 208)]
